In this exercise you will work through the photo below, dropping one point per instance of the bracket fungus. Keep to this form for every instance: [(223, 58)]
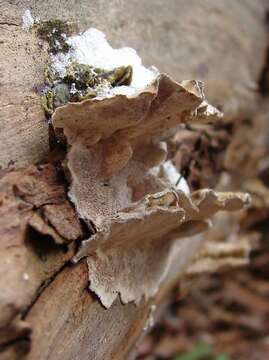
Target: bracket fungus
[(121, 181)]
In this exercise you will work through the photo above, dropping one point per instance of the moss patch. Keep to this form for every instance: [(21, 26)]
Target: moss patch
[(55, 32), (80, 82)]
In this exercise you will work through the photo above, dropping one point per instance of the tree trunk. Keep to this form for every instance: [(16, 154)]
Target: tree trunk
[(46, 309)]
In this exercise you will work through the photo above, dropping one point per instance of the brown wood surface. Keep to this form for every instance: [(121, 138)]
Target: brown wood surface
[(46, 311)]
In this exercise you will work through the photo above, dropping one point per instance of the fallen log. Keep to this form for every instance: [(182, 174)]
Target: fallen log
[(41, 230)]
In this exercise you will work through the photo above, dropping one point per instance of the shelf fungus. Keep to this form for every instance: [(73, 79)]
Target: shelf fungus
[(121, 181)]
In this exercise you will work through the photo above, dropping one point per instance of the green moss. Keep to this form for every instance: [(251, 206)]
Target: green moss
[(55, 33), (84, 80), (86, 76), (80, 82), (47, 103), (49, 76), (121, 76), (83, 76), (89, 95), (61, 94)]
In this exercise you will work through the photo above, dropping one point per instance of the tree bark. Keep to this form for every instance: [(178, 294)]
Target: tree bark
[(54, 316)]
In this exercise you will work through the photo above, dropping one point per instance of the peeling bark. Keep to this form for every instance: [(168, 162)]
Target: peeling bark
[(28, 265), (46, 309)]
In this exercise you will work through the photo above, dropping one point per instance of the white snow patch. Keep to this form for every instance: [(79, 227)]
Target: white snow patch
[(27, 19), (175, 177), (25, 276), (150, 320), (92, 48)]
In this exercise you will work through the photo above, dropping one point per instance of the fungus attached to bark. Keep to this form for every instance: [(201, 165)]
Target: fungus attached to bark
[(120, 178)]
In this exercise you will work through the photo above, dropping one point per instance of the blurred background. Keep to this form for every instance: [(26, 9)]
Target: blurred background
[(224, 314)]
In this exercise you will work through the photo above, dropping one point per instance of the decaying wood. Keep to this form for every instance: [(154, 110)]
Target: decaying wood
[(28, 265), (31, 201), (198, 46), (46, 309)]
